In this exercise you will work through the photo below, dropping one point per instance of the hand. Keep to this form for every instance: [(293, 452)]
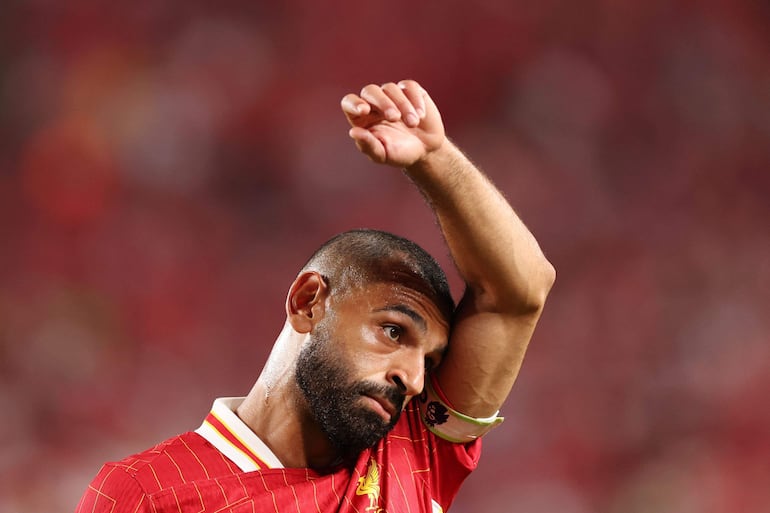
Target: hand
[(394, 124)]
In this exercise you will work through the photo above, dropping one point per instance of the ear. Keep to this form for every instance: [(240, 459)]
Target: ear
[(306, 301)]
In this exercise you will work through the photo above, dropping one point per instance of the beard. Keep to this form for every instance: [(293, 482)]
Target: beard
[(334, 397)]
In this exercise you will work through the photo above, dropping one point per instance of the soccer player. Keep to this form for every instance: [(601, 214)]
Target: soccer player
[(378, 389)]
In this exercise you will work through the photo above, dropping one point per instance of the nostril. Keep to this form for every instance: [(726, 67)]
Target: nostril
[(400, 384)]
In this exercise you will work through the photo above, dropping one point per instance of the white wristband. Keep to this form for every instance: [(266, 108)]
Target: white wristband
[(449, 424)]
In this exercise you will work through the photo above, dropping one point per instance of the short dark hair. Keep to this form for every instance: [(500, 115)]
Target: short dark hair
[(357, 257)]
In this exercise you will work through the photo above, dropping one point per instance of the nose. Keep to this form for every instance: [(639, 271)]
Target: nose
[(408, 373)]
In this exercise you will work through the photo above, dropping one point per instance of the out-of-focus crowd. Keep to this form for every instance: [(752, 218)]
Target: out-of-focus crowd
[(166, 168)]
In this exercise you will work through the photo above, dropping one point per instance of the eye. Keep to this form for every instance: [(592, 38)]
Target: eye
[(392, 332)]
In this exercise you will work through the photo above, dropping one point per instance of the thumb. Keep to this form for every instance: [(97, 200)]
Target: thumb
[(368, 144)]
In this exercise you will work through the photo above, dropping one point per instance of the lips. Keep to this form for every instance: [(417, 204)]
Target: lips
[(387, 407)]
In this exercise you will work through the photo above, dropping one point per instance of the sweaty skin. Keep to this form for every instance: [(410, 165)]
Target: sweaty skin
[(506, 274), (507, 280)]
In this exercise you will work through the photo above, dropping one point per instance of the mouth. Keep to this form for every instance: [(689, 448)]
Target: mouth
[(382, 406)]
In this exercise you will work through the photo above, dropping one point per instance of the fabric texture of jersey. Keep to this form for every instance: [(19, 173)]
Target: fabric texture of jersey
[(411, 470)]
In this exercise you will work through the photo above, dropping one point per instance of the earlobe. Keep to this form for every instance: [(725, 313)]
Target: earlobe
[(306, 301)]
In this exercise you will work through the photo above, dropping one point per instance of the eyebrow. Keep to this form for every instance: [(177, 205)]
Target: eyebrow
[(417, 318)]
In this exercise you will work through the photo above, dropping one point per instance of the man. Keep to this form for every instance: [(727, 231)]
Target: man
[(377, 390)]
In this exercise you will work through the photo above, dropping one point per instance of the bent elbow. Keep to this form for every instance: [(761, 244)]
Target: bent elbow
[(548, 276), (522, 294), (539, 285)]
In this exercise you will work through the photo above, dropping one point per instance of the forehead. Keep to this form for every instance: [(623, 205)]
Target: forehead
[(391, 296), (399, 271)]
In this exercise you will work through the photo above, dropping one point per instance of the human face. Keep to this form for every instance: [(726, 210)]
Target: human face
[(365, 359)]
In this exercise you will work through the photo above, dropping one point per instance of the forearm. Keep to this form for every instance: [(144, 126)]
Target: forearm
[(494, 252), (506, 273)]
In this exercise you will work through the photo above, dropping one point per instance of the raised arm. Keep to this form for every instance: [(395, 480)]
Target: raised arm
[(506, 274)]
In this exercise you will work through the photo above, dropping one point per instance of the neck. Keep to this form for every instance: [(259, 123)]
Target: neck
[(277, 412)]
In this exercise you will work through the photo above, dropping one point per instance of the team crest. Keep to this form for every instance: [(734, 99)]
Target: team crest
[(435, 413), (369, 485)]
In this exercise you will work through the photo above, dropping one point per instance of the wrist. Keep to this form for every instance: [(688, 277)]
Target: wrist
[(434, 159)]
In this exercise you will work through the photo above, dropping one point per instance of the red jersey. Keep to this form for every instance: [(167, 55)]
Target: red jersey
[(223, 466)]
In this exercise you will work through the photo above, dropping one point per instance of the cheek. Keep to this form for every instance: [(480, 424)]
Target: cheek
[(372, 357), (367, 341), (353, 349), (361, 347)]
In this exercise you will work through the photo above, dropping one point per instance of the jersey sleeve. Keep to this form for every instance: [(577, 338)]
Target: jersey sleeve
[(437, 466), (451, 464), (113, 491)]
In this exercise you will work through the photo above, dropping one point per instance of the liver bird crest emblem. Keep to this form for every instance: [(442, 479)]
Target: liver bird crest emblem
[(369, 485)]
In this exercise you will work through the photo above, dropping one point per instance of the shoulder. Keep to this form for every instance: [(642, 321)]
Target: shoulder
[(113, 490), (128, 485), (178, 460), (124, 485)]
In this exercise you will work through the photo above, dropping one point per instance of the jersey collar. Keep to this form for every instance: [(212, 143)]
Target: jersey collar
[(233, 438)]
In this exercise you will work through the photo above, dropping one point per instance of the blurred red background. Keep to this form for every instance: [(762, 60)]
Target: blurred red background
[(166, 168)]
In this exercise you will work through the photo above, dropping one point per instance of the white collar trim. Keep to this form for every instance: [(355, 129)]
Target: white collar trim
[(233, 438)]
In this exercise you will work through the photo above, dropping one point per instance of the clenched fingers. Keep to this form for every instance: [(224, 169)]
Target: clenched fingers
[(415, 94), (390, 102)]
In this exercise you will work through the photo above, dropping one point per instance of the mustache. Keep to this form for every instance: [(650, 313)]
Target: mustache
[(390, 393)]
